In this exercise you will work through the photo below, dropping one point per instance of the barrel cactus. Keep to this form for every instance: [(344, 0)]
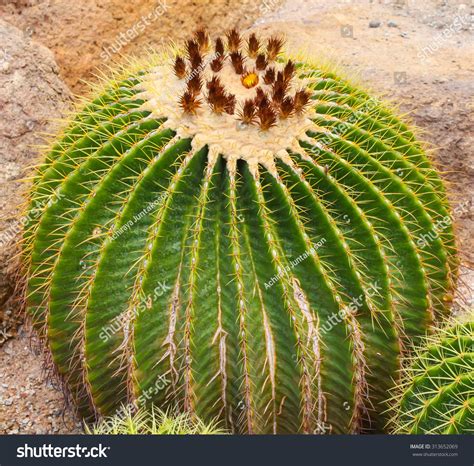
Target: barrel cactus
[(250, 238), (436, 395)]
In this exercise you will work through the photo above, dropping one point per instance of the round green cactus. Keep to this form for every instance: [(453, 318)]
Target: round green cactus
[(257, 235), (436, 395)]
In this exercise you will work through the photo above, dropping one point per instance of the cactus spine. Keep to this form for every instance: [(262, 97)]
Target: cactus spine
[(249, 229), (436, 395)]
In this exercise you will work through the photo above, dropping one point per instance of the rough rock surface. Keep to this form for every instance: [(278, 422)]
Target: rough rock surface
[(31, 94)]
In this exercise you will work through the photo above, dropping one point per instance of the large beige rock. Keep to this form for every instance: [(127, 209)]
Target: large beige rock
[(31, 95)]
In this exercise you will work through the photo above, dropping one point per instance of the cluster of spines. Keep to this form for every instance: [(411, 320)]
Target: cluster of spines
[(263, 109), (436, 393), (219, 100)]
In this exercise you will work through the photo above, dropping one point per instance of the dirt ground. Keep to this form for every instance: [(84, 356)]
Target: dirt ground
[(417, 53), (79, 31)]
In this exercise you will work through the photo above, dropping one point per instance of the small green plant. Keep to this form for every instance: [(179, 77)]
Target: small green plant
[(241, 236), (152, 421), (436, 395)]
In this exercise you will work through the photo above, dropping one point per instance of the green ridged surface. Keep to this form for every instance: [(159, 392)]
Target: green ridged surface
[(437, 393), (149, 267)]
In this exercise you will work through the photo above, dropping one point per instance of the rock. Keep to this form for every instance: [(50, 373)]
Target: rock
[(31, 95), (392, 24), (375, 23)]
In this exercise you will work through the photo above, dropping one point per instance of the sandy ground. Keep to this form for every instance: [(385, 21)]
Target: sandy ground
[(417, 53)]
